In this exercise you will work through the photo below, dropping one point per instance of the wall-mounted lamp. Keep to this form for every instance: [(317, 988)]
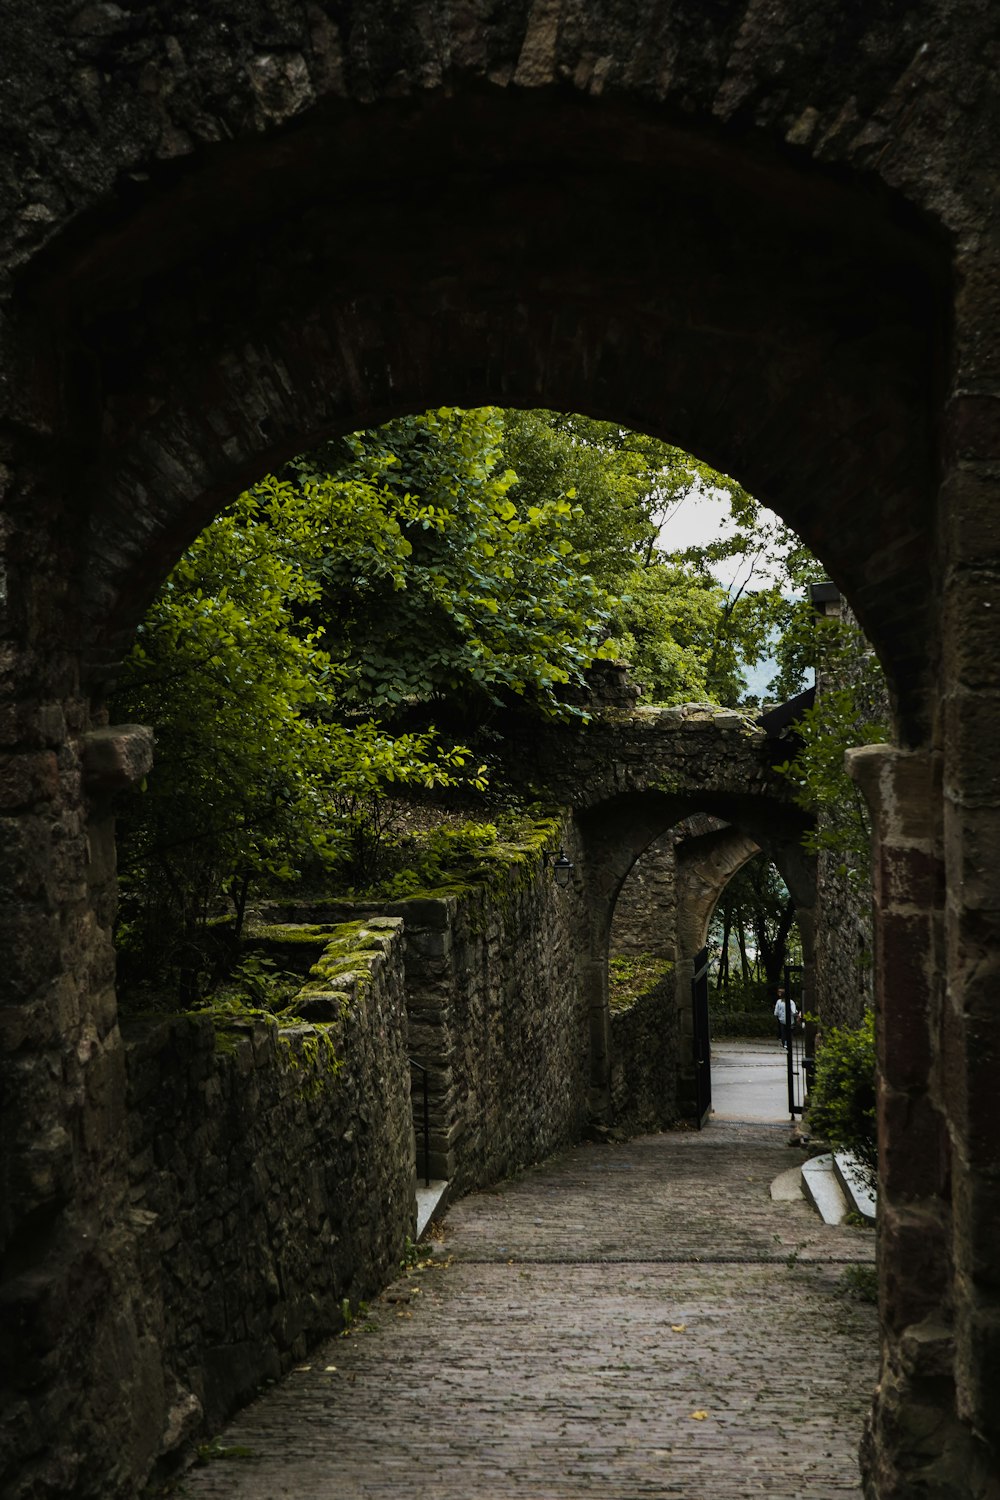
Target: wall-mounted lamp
[(562, 868)]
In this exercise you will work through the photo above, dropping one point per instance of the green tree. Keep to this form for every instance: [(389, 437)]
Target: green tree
[(686, 636), (254, 776), (850, 709), (756, 913), (672, 628), (436, 581)]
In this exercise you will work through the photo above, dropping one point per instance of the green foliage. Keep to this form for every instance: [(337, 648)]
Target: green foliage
[(743, 1009), (849, 711), (842, 1097), (436, 581), (672, 627), (617, 480), (255, 775), (687, 638), (861, 1283), (256, 985), (441, 856)]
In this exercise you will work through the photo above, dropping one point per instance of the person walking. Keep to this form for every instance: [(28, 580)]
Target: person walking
[(785, 1013)]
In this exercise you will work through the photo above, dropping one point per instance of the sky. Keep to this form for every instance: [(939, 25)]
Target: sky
[(703, 516)]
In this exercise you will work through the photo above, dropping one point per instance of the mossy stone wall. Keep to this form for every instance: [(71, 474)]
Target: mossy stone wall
[(644, 1060), (272, 1176), (496, 1012)]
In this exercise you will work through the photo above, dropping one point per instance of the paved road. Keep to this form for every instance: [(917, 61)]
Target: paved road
[(750, 1080), (621, 1321)]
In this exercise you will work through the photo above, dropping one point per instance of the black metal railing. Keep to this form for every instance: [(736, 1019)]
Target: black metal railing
[(427, 1119)]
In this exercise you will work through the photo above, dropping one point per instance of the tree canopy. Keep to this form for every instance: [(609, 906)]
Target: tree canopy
[(438, 575)]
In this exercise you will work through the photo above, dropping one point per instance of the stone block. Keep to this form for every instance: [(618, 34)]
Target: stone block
[(978, 1347), (30, 942), (973, 426), (907, 984), (910, 877), (28, 779), (114, 758), (971, 722), (971, 625), (914, 1264), (913, 1155), (970, 505), (970, 855)]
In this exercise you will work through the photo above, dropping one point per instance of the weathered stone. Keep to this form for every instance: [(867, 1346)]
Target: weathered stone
[(115, 758), (837, 348)]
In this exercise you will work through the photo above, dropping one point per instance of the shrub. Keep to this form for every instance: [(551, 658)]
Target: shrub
[(743, 1009), (842, 1098)]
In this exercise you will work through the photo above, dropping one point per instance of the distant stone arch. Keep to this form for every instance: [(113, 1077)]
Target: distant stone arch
[(630, 776)]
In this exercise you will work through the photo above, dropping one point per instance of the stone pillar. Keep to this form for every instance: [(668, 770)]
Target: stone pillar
[(917, 1442), (79, 1357), (704, 867), (970, 732)]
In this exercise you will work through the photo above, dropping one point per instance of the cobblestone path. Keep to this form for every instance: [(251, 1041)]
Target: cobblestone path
[(620, 1321)]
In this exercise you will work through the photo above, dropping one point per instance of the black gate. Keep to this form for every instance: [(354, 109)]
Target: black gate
[(702, 1045), (799, 1066)]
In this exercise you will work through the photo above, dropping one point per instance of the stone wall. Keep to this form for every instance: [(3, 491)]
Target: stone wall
[(159, 179), (495, 1011), (644, 1061), (271, 1174), (272, 1160), (644, 916), (844, 913)]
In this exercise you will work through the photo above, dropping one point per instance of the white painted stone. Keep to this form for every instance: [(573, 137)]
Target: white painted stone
[(429, 1200), (820, 1185), (854, 1185)]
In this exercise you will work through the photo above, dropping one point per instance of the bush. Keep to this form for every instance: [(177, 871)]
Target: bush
[(741, 1009), (438, 855), (842, 1097)]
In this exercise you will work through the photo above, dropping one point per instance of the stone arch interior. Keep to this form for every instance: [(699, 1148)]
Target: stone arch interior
[(360, 264)]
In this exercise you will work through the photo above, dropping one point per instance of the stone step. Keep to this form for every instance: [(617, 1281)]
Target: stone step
[(822, 1189), (832, 1184), (430, 1201), (854, 1186)]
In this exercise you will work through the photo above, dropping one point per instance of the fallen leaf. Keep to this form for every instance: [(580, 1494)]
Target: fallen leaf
[(699, 1416), (678, 1327), (329, 1369)]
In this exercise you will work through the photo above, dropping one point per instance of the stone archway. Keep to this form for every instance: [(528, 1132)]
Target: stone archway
[(613, 835), (766, 236), (706, 864), (680, 878)]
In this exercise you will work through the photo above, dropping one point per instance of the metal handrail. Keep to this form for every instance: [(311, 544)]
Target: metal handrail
[(427, 1121)]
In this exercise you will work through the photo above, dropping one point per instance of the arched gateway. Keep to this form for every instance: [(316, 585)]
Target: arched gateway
[(631, 776), (765, 232)]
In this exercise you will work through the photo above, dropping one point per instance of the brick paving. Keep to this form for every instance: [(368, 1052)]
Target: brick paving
[(624, 1321)]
